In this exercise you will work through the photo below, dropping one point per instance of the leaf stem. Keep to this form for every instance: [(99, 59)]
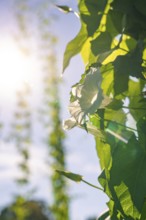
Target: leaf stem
[(133, 108), (125, 126), (92, 185)]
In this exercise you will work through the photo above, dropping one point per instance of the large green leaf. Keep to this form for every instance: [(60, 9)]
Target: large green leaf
[(104, 153), (75, 46), (114, 213), (125, 66), (143, 212), (115, 104), (111, 27), (121, 74), (93, 15), (95, 6), (128, 160), (140, 6), (124, 6), (115, 69), (126, 202), (101, 44), (108, 78), (116, 116), (137, 105)]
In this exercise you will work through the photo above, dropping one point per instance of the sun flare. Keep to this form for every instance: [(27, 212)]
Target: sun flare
[(15, 67)]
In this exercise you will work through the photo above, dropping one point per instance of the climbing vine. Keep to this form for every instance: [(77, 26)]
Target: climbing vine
[(110, 102)]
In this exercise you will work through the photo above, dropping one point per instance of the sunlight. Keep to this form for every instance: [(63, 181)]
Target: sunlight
[(15, 67)]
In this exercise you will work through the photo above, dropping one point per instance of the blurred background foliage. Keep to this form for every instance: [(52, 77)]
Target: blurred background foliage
[(34, 28)]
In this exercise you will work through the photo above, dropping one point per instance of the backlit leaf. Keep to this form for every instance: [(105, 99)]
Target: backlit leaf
[(93, 15), (88, 96), (132, 174), (75, 46), (126, 202)]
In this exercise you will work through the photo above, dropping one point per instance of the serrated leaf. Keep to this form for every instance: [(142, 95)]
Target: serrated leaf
[(71, 176)]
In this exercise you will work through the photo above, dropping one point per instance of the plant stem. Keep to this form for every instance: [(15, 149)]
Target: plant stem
[(92, 185), (125, 126), (133, 108)]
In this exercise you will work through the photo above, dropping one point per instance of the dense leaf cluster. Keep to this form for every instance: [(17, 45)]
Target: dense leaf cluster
[(110, 102)]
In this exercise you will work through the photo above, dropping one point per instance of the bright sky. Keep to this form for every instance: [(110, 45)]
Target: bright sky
[(16, 68)]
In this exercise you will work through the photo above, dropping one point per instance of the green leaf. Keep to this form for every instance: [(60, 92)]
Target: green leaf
[(93, 14), (113, 210), (125, 66), (118, 116), (115, 104), (131, 43), (75, 46), (124, 6), (128, 160), (143, 213), (64, 8), (104, 216), (92, 22), (72, 176), (121, 74), (110, 27), (116, 19), (94, 6), (136, 107), (104, 153), (126, 202), (89, 127), (140, 6), (108, 78), (141, 127), (101, 44)]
